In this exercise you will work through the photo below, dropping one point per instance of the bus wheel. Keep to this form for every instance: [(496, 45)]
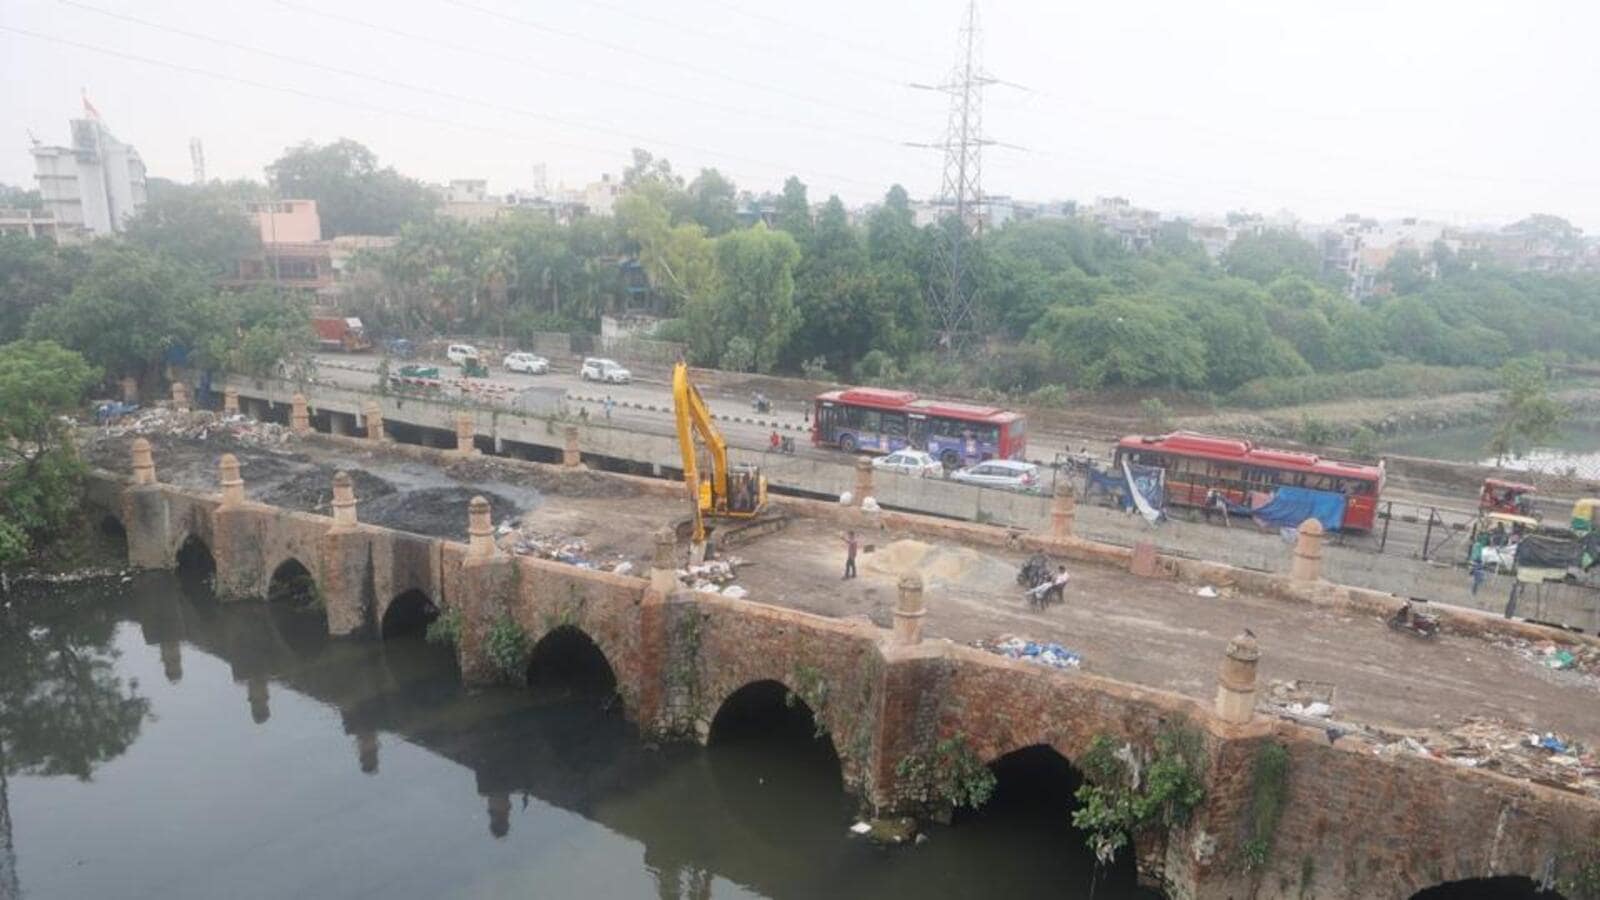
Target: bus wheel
[(847, 443), (950, 459)]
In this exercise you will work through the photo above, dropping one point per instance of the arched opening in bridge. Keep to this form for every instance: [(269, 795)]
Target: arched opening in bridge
[(114, 538), (1029, 815), (293, 587), (409, 615), (568, 663), (1505, 887), (196, 567), (776, 772)]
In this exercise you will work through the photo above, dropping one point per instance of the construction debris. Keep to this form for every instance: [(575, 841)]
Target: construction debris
[(1580, 658), (1301, 698), (1550, 759), (561, 548), (714, 575), (200, 424), (1050, 654)]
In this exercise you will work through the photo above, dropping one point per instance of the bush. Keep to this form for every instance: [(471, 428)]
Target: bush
[(739, 355), (816, 369), (1314, 431), (507, 646), (876, 365), (446, 629), (674, 330), (1049, 395), (1395, 380), (1364, 443), (1155, 416)]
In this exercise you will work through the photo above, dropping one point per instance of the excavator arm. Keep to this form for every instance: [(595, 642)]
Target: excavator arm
[(692, 417)]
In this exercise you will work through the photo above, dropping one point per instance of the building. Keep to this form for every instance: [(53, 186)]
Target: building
[(286, 221), (1134, 228), (93, 187), (293, 253), (28, 223)]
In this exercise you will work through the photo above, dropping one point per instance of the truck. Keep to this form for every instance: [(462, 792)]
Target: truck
[(340, 333)]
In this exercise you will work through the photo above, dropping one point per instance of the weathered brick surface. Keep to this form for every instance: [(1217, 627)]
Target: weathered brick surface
[(603, 606)]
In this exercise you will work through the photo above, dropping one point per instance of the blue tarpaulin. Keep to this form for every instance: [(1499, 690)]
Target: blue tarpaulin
[(1290, 506)]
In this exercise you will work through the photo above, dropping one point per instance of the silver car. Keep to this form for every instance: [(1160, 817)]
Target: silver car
[(909, 462), (604, 370), (1008, 474), (529, 363)]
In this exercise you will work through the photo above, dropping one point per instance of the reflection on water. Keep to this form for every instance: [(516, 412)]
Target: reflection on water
[(1576, 449), (158, 744)]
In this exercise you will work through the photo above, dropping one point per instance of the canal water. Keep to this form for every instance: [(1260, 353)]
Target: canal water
[(1575, 450), (157, 744)]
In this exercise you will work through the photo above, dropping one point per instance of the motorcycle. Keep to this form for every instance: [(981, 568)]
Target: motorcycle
[(1407, 619), (760, 403)]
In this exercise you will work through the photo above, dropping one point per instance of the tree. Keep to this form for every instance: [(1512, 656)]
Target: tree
[(1405, 272), (1264, 256), (253, 331), (39, 483), (712, 202), (1528, 414), (33, 274), (1132, 341), (794, 210), (679, 259), (127, 310), (203, 225), (353, 195), (754, 298), (843, 311), (20, 198)]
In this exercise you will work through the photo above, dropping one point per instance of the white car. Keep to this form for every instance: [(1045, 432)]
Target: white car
[(604, 370), (1009, 474), (529, 363), (910, 462), (459, 353)]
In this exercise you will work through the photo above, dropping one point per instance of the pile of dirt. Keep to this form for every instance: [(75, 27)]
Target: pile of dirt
[(568, 483), (436, 512), (960, 568), (311, 490)]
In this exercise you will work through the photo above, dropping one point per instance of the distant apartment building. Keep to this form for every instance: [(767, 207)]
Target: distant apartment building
[(1360, 249), (1535, 244), (292, 252), (469, 200), (1134, 228), (31, 223), (93, 187)]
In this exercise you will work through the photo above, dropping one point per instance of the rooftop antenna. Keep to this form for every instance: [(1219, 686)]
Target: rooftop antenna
[(952, 294)]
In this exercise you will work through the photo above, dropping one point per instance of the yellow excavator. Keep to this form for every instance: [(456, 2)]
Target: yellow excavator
[(736, 491)]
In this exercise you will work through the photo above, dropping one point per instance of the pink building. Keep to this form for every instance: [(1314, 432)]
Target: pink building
[(287, 221)]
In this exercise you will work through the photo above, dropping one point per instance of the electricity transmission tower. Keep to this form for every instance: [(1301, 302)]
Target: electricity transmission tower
[(952, 293), (197, 160)]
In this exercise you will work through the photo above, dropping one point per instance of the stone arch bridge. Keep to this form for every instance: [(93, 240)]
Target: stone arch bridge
[(1353, 824)]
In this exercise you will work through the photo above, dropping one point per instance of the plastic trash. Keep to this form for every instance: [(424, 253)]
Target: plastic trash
[(1207, 591), (860, 828), (735, 591), (870, 504), (622, 568), (1561, 659), (846, 498), (1553, 744)]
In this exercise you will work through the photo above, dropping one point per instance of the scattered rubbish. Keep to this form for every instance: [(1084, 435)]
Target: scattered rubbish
[(1045, 654), (1315, 708), (1561, 659), (870, 504), (1207, 591), (860, 828), (622, 568), (1549, 759), (735, 591), (1550, 742), (1583, 659), (1301, 698), (714, 575), (846, 498)]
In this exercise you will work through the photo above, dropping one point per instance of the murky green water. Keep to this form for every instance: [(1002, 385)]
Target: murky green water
[(166, 747), (1576, 448)]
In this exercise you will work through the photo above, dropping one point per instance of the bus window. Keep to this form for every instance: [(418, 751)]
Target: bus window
[(869, 420), (894, 424), (1361, 488)]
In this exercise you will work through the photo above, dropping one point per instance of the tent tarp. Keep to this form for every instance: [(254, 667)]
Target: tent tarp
[(1290, 506)]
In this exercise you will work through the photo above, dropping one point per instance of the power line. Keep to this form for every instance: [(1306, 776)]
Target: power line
[(743, 9), (447, 95), (586, 77), (366, 107), (874, 114)]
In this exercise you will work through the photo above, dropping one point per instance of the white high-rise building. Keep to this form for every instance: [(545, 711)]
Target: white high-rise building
[(94, 186)]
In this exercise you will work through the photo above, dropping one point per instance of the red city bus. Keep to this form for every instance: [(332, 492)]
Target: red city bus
[(1197, 464), (882, 421)]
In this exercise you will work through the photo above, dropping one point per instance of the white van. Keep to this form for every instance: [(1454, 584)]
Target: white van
[(459, 353)]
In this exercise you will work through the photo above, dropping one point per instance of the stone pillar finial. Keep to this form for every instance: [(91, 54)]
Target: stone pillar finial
[(1307, 564), (909, 611), (373, 412), (232, 484), (664, 563), (299, 414), (130, 389), (180, 396), (144, 466), (480, 529), (570, 457), (863, 479), (230, 401), (344, 500), (1236, 683), (466, 434), (1063, 511)]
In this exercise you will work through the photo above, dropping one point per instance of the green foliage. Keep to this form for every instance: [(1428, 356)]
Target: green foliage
[(508, 647), (739, 355), (1049, 395), (1579, 877), (12, 197), (1124, 794), (203, 225), (1269, 788), (951, 774), (446, 629), (754, 298), (1154, 416), (1271, 254), (1314, 431), (1364, 442), (816, 369), (40, 474), (251, 332), (811, 688), (1132, 341), (354, 196), (1395, 380), (1528, 414), (33, 274)]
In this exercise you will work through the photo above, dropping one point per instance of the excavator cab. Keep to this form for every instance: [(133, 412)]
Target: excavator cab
[(734, 490), (747, 490)]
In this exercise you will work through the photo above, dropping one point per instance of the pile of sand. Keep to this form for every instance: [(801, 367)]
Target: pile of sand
[(957, 568)]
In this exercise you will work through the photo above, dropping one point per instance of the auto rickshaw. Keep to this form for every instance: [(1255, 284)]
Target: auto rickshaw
[(472, 367), (1506, 497), (1494, 539), (1583, 515)]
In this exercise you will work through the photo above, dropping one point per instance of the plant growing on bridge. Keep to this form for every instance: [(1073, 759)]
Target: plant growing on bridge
[(1268, 788), (1580, 879), (950, 774), (812, 688), (507, 646), (1124, 795), (446, 629)]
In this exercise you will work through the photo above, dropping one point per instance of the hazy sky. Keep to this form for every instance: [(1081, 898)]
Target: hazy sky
[(1457, 110)]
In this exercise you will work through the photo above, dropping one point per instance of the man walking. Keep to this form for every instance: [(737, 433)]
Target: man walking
[(850, 544)]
